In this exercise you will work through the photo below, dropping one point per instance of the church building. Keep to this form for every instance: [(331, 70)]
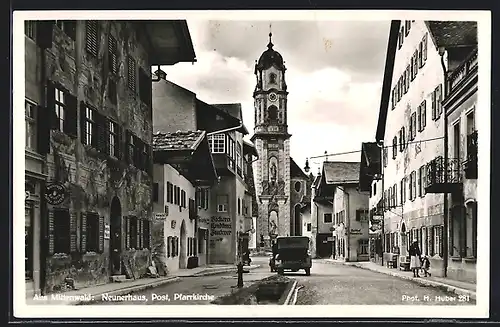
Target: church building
[(273, 169)]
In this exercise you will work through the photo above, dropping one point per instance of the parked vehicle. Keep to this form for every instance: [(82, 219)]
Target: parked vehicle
[(292, 253)]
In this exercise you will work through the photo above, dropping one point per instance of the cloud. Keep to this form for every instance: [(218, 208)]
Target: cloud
[(334, 76)]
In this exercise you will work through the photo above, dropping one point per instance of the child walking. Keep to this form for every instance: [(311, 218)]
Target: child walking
[(426, 265)]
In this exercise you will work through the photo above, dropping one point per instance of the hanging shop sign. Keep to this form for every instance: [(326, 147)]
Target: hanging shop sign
[(55, 193), (160, 216)]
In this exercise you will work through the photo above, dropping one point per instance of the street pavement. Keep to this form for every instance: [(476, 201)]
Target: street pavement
[(328, 284), (180, 293)]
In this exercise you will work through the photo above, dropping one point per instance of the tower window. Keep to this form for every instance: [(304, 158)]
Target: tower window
[(273, 113), (272, 78), (297, 186)]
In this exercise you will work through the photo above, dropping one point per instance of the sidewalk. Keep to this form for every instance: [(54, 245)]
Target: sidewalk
[(91, 294), (449, 285)]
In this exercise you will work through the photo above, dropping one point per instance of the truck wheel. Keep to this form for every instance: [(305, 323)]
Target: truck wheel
[(308, 272)]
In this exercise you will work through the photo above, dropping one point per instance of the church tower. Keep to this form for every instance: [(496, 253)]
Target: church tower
[(272, 141)]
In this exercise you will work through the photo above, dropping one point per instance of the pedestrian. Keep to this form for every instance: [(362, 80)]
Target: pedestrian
[(426, 265), (415, 254)]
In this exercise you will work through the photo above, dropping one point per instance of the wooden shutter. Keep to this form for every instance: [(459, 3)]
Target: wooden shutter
[(127, 233), (439, 97), (83, 230), (433, 100), (99, 128), (440, 230), (70, 29), (91, 40), (424, 114), (149, 234), (43, 131), (119, 141), (101, 233), (44, 33), (424, 49), (140, 234), (70, 119), (127, 156), (105, 134), (83, 123), (112, 55), (168, 246), (72, 228), (415, 63), (131, 71), (51, 105), (50, 216)]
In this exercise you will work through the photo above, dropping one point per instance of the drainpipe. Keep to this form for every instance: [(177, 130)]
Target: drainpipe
[(383, 209), (348, 216), (445, 201)]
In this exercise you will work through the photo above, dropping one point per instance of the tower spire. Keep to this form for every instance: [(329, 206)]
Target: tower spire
[(270, 45)]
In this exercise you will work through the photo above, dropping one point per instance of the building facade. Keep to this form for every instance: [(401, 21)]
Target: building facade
[(460, 110), (224, 215), (300, 201), (88, 86), (183, 167), (411, 128)]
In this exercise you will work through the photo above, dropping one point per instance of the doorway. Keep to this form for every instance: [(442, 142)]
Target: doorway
[(115, 236), (182, 253)]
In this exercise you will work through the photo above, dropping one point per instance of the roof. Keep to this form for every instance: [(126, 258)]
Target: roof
[(453, 33), (233, 109), (317, 181), (296, 171), (270, 57), (180, 140), (338, 172), (249, 148)]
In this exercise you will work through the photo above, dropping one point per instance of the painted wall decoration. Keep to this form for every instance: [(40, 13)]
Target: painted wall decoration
[(220, 226), (273, 169)]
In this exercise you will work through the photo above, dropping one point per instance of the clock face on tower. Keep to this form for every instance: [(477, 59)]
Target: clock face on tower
[(272, 97)]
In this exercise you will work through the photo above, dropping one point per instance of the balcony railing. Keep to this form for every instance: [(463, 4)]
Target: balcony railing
[(443, 176), (470, 165), (462, 71)]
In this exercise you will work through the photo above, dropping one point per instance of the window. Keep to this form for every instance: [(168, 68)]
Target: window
[(30, 120), (183, 199), (112, 55), (222, 201), (145, 87), (394, 147), (374, 188), (413, 126), (403, 190), (362, 215), (60, 108), (131, 148), (272, 78), (436, 97), (112, 95), (91, 37), (131, 71), (363, 246), (92, 232), (415, 63), (217, 143), (420, 52), (424, 49), (169, 246), (402, 139), (114, 144), (155, 192), (132, 233), (422, 116), (420, 186), (62, 232), (201, 198), (393, 99), (401, 37), (385, 155), (407, 27), (456, 140), (413, 185), (407, 79), (273, 113), (68, 27), (90, 127), (309, 227), (239, 206), (30, 29), (327, 218), (176, 194), (438, 241), (170, 193), (471, 230), (238, 157)]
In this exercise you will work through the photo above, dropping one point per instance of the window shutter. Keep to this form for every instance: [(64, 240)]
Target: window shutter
[(140, 236), (83, 236), (127, 233), (358, 215), (433, 100), (101, 233), (424, 114), (149, 235), (424, 49), (43, 131), (420, 55), (474, 229), (126, 153), (72, 228), (112, 55), (91, 42), (44, 33), (119, 141), (83, 125), (70, 119), (70, 29), (50, 216), (51, 105), (439, 97), (105, 134), (440, 230), (169, 243)]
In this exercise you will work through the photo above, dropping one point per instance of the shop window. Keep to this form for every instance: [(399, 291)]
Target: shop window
[(363, 246)]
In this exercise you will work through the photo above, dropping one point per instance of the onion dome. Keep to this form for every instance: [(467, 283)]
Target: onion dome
[(270, 57)]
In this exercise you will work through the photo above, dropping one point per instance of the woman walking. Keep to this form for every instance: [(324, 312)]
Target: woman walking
[(415, 254)]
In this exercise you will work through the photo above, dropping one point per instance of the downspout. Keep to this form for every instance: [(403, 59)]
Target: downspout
[(445, 201), (383, 209)]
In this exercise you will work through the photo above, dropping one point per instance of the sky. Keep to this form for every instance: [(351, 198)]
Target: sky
[(334, 77)]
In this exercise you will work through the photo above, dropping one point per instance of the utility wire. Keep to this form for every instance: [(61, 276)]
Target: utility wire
[(385, 147)]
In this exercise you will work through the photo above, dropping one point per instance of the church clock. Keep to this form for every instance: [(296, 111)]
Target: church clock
[(272, 97)]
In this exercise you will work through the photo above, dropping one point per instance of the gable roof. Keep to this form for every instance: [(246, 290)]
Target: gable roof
[(296, 171), (180, 140), (339, 172), (453, 33)]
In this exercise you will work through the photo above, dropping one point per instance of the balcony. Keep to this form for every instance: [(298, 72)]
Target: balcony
[(443, 176), (462, 72), (470, 165)]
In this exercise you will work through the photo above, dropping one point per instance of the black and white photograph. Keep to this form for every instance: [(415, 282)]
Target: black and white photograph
[(176, 163)]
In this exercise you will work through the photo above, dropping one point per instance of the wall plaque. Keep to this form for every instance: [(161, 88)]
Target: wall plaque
[(55, 193)]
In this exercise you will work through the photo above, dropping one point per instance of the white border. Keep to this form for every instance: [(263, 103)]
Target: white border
[(481, 309)]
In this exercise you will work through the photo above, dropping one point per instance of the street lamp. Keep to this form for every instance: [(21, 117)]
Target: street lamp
[(306, 167)]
